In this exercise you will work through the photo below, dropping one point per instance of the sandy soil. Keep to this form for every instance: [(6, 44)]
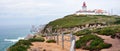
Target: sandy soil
[(115, 43), (40, 46)]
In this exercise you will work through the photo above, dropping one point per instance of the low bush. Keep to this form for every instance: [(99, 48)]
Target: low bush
[(105, 45), (21, 45), (82, 32), (117, 21), (40, 39), (76, 20), (96, 30), (96, 43), (51, 41), (18, 48), (107, 31)]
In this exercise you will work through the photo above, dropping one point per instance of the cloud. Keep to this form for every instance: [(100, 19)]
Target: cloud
[(23, 8), (23, 4), (39, 11), (32, 8)]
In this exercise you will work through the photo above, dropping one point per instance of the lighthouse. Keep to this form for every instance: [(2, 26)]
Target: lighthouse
[(85, 11), (84, 7)]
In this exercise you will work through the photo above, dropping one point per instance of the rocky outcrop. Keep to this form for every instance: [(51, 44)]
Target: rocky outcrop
[(76, 28)]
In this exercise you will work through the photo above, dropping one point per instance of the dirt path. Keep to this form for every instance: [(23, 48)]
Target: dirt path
[(40, 46), (115, 43)]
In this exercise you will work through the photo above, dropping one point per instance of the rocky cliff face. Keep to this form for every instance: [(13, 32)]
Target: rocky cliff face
[(74, 23), (74, 29)]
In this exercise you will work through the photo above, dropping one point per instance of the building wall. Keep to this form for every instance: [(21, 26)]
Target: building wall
[(92, 13)]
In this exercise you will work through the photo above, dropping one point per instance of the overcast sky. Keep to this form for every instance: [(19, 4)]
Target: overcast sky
[(26, 10)]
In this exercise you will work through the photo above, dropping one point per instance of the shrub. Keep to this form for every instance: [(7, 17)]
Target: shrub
[(18, 48), (82, 32), (108, 31), (96, 30), (117, 21), (77, 45), (104, 45), (51, 41), (26, 43), (21, 45), (96, 43), (76, 20), (40, 39), (113, 36)]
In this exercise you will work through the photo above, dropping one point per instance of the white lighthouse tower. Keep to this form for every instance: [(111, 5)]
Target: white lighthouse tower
[(84, 7), (85, 11)]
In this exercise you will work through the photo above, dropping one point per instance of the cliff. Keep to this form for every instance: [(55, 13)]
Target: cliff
[(75, 22)]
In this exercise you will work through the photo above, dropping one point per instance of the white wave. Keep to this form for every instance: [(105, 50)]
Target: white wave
[(14, 40)]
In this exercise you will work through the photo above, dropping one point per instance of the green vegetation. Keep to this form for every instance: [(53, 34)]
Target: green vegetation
[(37, 39), (91, 42), (83, 32), (23, 45), (51, 41), (117, 21), (96, 43), (108, 31), (77, 20)]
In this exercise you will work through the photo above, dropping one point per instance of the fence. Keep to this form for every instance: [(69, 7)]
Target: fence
[(72, 40), (56, 37)]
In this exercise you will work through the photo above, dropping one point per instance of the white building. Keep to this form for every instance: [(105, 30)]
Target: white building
[(84, 11)]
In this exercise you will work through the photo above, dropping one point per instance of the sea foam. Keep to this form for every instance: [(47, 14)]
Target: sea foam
[(14, 40)]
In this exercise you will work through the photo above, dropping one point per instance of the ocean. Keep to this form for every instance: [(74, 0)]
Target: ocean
[(10, 35), (13, 29)]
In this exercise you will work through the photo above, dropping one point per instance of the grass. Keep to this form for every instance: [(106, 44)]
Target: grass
[(51, 41), (23, 45), (83, 32), (75, 20), (108, 31), (96, 43), (37, 39)]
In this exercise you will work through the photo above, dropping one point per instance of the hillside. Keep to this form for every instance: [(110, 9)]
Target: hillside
[(70, 21), (90, 27), (92, 33)]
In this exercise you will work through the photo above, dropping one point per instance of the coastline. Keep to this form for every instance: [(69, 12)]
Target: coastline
[(89, 30), (28, 36)]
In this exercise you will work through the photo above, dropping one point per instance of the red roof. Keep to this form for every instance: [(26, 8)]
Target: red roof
[(84, 4)]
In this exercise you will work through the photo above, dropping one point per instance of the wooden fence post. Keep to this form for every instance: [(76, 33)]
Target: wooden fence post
[(72, 48), (62, 41), (57, 38), (46, 35)]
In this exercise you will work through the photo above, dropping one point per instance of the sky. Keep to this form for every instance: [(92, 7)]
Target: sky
[(21, 12)]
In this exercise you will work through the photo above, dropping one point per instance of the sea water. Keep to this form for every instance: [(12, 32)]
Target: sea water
[(13, 29), (10, 35)]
